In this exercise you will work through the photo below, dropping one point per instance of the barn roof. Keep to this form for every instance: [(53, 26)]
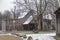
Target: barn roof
[(28, 20), (57, 11)]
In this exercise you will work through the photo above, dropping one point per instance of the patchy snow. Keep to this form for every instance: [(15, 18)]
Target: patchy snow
[(28, 20), (48, 36), (42, 36)]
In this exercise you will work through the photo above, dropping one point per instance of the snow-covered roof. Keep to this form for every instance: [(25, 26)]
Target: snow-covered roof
[(28, 20), (22, 15)]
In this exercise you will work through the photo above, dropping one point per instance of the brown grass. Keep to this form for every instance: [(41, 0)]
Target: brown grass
[(4, 37)]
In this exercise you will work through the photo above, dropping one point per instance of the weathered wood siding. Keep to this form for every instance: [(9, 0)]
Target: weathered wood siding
[(11, 25), (58, 23)]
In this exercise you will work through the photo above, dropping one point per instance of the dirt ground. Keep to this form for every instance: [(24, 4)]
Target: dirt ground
[(4, 37)]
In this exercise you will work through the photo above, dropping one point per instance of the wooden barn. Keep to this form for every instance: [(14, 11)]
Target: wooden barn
[(25, 24), (21, 24), (17, 24)]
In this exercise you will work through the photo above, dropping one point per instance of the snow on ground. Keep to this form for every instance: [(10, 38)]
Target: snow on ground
[(48, 36), (42, 36)]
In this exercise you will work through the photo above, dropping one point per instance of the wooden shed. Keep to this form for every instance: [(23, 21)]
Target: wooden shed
[(57, 12)]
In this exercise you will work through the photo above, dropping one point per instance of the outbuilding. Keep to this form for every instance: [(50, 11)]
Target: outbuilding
[(57, 12)]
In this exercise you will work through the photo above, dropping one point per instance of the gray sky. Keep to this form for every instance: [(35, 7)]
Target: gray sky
[(6, 5)]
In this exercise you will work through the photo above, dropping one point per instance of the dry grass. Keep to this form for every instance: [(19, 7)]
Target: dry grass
[(4, 37), (57, 37)]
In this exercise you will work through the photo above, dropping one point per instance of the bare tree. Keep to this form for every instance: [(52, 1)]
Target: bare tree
[(40, 6), (15, 13), (0, 16), (6, 15)]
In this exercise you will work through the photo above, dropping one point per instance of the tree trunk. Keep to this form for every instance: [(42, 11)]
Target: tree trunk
[(40, 23)]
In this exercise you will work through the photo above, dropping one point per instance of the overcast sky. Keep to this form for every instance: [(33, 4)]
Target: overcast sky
[(6, 5)]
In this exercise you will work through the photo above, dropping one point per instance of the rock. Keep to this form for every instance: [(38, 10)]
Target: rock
[(30, 38), (24, 36)]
